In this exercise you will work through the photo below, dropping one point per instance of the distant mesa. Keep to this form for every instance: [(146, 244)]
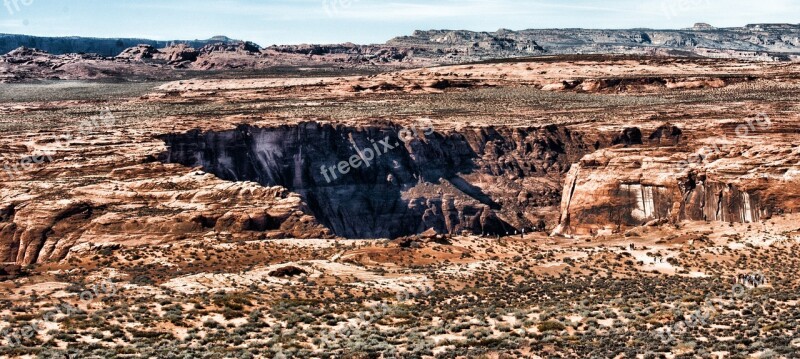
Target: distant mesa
[(108, 47), (701, 26), (751, 42), (222, 38)]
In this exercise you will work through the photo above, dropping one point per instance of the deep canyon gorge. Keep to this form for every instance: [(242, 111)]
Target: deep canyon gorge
[(482, 181)]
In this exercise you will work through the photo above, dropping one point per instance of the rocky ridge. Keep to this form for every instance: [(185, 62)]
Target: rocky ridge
[(159, 60), (767, 42), (107, 47)]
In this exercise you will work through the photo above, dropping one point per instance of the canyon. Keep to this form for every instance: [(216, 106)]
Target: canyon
[(426, 183), (241, 214), (472, 175), (489, 181)]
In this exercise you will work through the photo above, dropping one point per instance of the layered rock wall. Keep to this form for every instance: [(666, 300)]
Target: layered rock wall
[(481, 180), (635, 184)]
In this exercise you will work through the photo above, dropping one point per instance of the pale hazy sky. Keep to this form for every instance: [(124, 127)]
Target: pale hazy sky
[(269, 22)]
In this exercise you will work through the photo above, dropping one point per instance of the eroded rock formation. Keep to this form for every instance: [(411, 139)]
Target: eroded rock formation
[(504, 156), (481, 180), (757, 41), (148, 210), (663, 181)]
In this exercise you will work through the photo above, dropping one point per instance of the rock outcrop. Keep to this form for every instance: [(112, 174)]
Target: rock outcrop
[(140, 53), (142, 210), (665, 180), (28, 64)]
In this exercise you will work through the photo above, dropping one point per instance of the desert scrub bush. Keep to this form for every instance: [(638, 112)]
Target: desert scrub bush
[(234, 301), (173, 314), (21, 309), (504, 327), (436, 330), (458, 327), (550, 325), (211, 324), (150, 334), (478, 333)]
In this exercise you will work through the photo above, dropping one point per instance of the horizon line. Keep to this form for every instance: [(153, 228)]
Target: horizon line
[(412, 34)]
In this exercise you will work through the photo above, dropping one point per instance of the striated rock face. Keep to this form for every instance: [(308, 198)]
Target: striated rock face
[(481, 180), (494, 180), (139, 210), (654, 183), (603, 201)]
